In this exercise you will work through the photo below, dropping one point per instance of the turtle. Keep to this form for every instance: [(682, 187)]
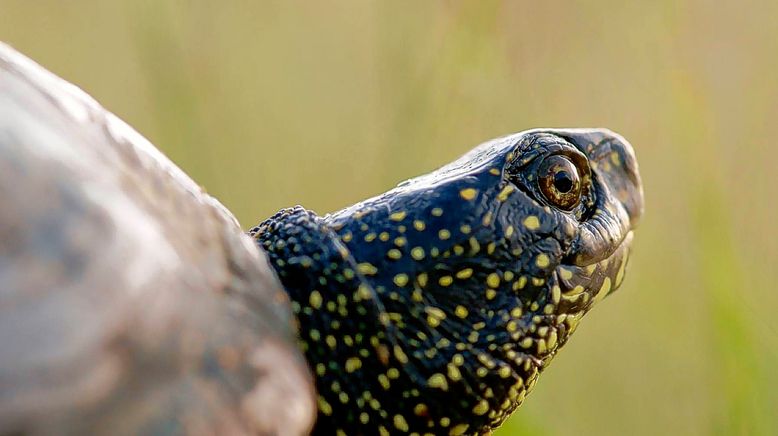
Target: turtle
[(131, 301)]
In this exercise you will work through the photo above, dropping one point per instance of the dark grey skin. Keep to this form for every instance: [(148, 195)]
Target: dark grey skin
[(455, 289)]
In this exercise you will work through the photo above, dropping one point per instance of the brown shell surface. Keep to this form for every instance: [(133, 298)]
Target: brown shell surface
[(130, 301)]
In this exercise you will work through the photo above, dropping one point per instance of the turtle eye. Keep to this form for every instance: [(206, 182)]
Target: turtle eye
[(560, 182)]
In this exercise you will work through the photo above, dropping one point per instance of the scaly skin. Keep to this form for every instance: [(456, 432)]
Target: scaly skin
[(434, 307)]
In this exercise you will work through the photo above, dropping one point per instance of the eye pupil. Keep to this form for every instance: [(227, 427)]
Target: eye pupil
[(560, 181), (563, 182)]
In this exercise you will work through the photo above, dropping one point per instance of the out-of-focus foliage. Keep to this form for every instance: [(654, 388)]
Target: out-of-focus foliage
[(270, 104)]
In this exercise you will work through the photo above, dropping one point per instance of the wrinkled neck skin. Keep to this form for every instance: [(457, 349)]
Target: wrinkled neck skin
[(434, 307)]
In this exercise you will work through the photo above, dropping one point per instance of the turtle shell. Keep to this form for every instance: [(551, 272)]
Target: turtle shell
[(130, 300)]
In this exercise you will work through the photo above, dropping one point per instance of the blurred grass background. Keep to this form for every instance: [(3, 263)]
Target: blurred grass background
[(273, 103)]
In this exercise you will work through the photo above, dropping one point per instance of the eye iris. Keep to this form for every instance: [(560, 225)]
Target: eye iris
[(560, 182)]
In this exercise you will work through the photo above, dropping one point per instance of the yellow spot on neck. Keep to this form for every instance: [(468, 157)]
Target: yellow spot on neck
[(315, 299), (542, 260), (367, 268), (445, 281), (417, 253), (604, 290), (486, 360), (468, 193), (398, 216), (541, 346), (461, 311), (475, 247), (437, 381), (353, 364), (565, 274), (552, 339), (620, 273), (481, 408), (418, 225), (453, 372), (401, 279), (490, 248), (422, 279), (399, 354), (465, 273), (487, 220), (394, 254), (400, 424), (493, 280), (506, 192), (531, 222), (435, 312), (444, 234), (324, 406), (436, 211)]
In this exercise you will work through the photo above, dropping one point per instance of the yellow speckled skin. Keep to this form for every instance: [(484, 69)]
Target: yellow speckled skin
[(433, 308)]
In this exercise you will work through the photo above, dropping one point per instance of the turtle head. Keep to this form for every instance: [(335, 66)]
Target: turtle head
[(485, 266), (434, 306)]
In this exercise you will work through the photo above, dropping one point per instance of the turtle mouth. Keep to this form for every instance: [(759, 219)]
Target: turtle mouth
[(583, 285)]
